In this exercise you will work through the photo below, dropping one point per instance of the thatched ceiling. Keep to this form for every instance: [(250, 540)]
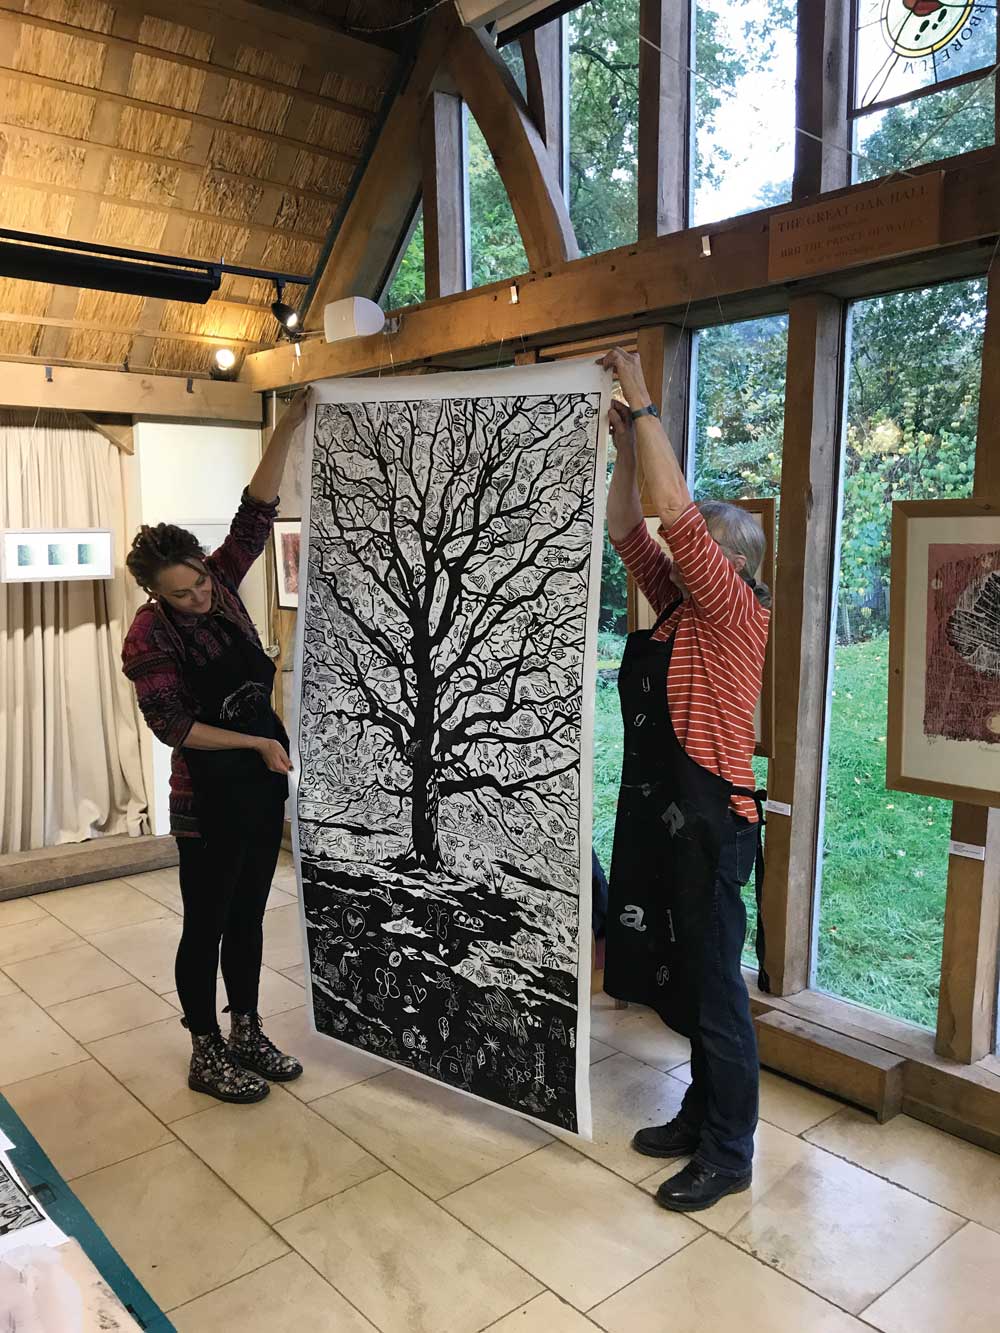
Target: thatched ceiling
[(227, 130)]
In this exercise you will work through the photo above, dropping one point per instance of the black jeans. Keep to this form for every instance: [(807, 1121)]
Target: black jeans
[(721, 1104), (224, 885)]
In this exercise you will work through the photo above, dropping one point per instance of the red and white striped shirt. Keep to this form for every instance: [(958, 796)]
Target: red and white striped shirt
[(717, 661)]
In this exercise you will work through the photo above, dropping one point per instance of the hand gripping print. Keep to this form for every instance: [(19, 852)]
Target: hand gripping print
[(445, 670)]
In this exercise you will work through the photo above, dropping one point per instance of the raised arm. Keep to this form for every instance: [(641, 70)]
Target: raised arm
[(667, 487), (266, 480)]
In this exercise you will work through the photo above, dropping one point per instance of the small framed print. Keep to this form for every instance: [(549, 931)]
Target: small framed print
[(944, 651), (287, 533), (40, 555)]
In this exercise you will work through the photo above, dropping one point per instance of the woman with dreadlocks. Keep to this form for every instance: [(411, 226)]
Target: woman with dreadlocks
[(204, 684)]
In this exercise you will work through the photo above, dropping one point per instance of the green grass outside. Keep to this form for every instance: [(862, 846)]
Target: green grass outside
[(885, 857)]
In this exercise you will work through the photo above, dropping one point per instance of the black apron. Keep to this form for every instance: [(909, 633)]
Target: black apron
[(673, 816), (235, 794)]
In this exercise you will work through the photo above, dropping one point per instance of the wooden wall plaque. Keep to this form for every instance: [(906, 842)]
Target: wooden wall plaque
[(893, 218)]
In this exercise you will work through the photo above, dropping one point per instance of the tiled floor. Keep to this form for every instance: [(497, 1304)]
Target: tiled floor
[(361, 1199)]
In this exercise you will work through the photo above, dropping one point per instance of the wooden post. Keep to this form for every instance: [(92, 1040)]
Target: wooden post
[(664, 115), (446, 220), (802, 606), (546, 72), (966, 1022), (822, 161)]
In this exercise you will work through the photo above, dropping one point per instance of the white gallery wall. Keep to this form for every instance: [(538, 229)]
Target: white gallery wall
[(193, 475)]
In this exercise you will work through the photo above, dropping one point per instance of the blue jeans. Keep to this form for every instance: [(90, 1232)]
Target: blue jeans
[(721, 1104)]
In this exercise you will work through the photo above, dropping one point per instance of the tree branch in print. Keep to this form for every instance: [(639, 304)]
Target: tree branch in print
[(454, 541)]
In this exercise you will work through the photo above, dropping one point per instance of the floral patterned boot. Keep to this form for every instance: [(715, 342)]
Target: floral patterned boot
[(215, 1072), (253, 1050)]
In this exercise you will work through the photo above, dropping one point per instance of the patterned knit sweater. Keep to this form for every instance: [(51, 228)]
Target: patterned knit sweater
[(164, 648)]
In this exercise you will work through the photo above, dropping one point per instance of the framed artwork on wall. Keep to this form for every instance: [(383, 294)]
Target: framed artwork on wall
[(641, 616), (37, 555), (286, 561), (943, 734)]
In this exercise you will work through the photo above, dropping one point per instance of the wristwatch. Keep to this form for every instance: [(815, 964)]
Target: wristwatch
[(649, 411)]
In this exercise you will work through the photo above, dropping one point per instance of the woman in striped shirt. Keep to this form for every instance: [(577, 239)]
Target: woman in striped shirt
[(688, 830)]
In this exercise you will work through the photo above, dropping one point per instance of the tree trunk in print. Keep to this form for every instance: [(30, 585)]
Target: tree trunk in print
[(424, 805)]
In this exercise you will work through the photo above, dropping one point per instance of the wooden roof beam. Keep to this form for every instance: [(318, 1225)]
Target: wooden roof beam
[(84, 390), (529, 173), (367, 240), (546, 74), (662, 279)]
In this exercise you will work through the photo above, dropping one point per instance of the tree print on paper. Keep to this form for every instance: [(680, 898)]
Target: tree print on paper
[(962, 700), (450, 546)]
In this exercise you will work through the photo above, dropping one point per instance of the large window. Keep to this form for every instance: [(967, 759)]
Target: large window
[(497, 251), (603, 123), (743, 106), (739, 412), (407, 286), (918, 89), (910, 434)]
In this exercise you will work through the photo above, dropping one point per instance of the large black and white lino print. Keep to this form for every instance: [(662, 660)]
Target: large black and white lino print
[(447, 638)]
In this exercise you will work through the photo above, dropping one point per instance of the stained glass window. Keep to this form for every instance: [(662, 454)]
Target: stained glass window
[(905, 48)]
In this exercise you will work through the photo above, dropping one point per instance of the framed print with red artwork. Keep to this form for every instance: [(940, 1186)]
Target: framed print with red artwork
[(286, 560), (944, 651)]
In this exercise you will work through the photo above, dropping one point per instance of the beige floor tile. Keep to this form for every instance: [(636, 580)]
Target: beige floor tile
[(90, 908), (283, 937), (162, 886), (67, 975), (955, 1174), (277, 995), (711, 1287), (152, 1062), (402, 1261), (545, 1314), (598, 1051), (791, 1106), (957, 1289), (15, 910), (110, 1011), (431, 1135), (279, 898), (296, 974), (286, 1296), (177, 1226), (841, 1231), (30, 1042), (642, 1034), (327, 1065), (579, 1229), (147, 950), (7, 987), (84, 1119), (626, 1095), (34, 937), (783, 1103), (777, 1154), (278, 1154)]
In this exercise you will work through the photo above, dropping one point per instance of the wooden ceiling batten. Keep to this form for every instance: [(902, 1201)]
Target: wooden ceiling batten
[(216, 131)]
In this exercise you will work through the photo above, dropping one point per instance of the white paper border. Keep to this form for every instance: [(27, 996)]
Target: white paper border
[(574, 375)]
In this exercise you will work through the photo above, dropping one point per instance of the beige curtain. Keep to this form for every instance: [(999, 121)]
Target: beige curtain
[(70, 765)]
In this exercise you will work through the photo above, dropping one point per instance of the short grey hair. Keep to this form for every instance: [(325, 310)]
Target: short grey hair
[(738, 533)]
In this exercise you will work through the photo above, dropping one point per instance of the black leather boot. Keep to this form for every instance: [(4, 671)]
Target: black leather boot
[(697, 1186), (673, 1140), (215, 1072), (253, 1049)]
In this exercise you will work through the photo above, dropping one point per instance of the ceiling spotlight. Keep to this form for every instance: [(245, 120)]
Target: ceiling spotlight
[(286, 316), (224, 367)]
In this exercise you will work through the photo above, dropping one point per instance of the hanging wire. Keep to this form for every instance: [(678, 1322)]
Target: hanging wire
[(403, 23)]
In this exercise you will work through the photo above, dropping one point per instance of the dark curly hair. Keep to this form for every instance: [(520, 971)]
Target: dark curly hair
[(155, 549)]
